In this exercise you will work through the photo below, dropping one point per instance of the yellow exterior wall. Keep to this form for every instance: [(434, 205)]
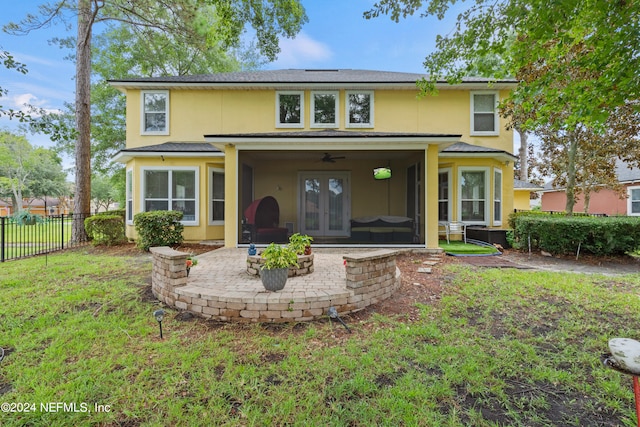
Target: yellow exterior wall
[(522, 200), (507, 185), (203, 231), (194, 113)]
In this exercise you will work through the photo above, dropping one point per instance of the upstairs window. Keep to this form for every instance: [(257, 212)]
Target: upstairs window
[(359, 109), (324, 109), (290, 109), (155, 112), (484, 113)]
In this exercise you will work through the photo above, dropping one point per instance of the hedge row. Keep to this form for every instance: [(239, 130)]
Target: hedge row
[(158, 228), (563, 235), (106, 228)]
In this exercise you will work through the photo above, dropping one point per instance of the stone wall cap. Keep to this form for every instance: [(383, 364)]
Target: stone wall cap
[(365, 256), (167, 251)]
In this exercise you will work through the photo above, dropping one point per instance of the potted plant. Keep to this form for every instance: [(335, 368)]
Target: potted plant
[(192, 261), (301, 243), (275, 270)]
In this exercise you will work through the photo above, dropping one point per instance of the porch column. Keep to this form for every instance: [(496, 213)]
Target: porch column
[(231, 219), (431, 196)]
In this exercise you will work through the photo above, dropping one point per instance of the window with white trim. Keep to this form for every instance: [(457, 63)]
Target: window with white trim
[(633, 208), (290, 109), (155, 112), (497, 197), (216, 196), (171, 189), (324, 109), (444, 195), (359, 109), (484, 113), (129, 196), (473, 190)]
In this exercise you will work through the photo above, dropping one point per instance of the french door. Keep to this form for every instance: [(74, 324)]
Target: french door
[(325, 203)]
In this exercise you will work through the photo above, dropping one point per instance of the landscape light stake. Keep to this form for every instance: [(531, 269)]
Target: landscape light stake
[(159, 315), (625, 358), (333, 314)]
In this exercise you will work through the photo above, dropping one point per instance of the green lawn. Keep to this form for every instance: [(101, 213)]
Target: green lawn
[(499, 347), (461, 248)]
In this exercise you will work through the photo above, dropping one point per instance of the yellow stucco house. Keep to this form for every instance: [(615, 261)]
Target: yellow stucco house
[(351, 157)]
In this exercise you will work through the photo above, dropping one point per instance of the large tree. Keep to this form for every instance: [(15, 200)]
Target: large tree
[(187, 18), (576, 63), (609, 32), (27, 171)]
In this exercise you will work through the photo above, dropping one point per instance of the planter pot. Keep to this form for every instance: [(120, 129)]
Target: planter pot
[(274, 279)]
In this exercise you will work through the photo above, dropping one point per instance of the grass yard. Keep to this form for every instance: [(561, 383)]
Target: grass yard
[(488, 348), (458, 247)]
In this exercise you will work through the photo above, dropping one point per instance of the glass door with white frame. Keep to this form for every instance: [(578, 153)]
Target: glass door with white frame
[(325, 204)]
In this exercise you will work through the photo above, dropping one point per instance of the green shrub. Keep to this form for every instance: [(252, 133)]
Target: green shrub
[(559, 234), (158, 228), (120, 212), (105, 229)]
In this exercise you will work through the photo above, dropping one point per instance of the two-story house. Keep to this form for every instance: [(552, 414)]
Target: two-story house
[(347, 156)]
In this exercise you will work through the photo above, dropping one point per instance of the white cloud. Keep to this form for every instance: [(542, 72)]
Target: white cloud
[(23, 101), (302, 50)]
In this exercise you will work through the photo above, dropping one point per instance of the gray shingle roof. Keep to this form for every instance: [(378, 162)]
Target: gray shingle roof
[(176, 147), (300, 76), (525, 185), (464, 148)]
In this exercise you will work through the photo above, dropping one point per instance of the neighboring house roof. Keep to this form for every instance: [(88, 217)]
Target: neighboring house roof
[(173, 149), (462, 149), (300, 77), (525, 185), (625, 175)]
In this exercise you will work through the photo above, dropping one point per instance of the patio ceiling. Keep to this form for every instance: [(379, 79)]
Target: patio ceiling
[(308, 155)]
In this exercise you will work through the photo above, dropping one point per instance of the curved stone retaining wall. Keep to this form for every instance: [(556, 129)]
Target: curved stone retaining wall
[(370, 277)]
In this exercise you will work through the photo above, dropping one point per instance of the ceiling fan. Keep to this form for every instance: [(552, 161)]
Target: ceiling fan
[(331, 159)]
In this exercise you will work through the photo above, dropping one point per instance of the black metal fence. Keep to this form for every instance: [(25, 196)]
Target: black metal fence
[(21, 238)]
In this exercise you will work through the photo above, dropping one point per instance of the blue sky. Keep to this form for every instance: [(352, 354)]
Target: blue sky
[(336, 36)]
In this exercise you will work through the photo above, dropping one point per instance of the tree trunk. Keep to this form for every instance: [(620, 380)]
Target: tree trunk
[(571, 173), (82, 197), (522, 153), (587, 199)]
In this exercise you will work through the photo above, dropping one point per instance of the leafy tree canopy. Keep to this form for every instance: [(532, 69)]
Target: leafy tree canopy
[(27, 171), (523, 32)]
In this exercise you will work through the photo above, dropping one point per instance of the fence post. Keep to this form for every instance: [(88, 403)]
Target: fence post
[(2, 231), (62, 230)]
